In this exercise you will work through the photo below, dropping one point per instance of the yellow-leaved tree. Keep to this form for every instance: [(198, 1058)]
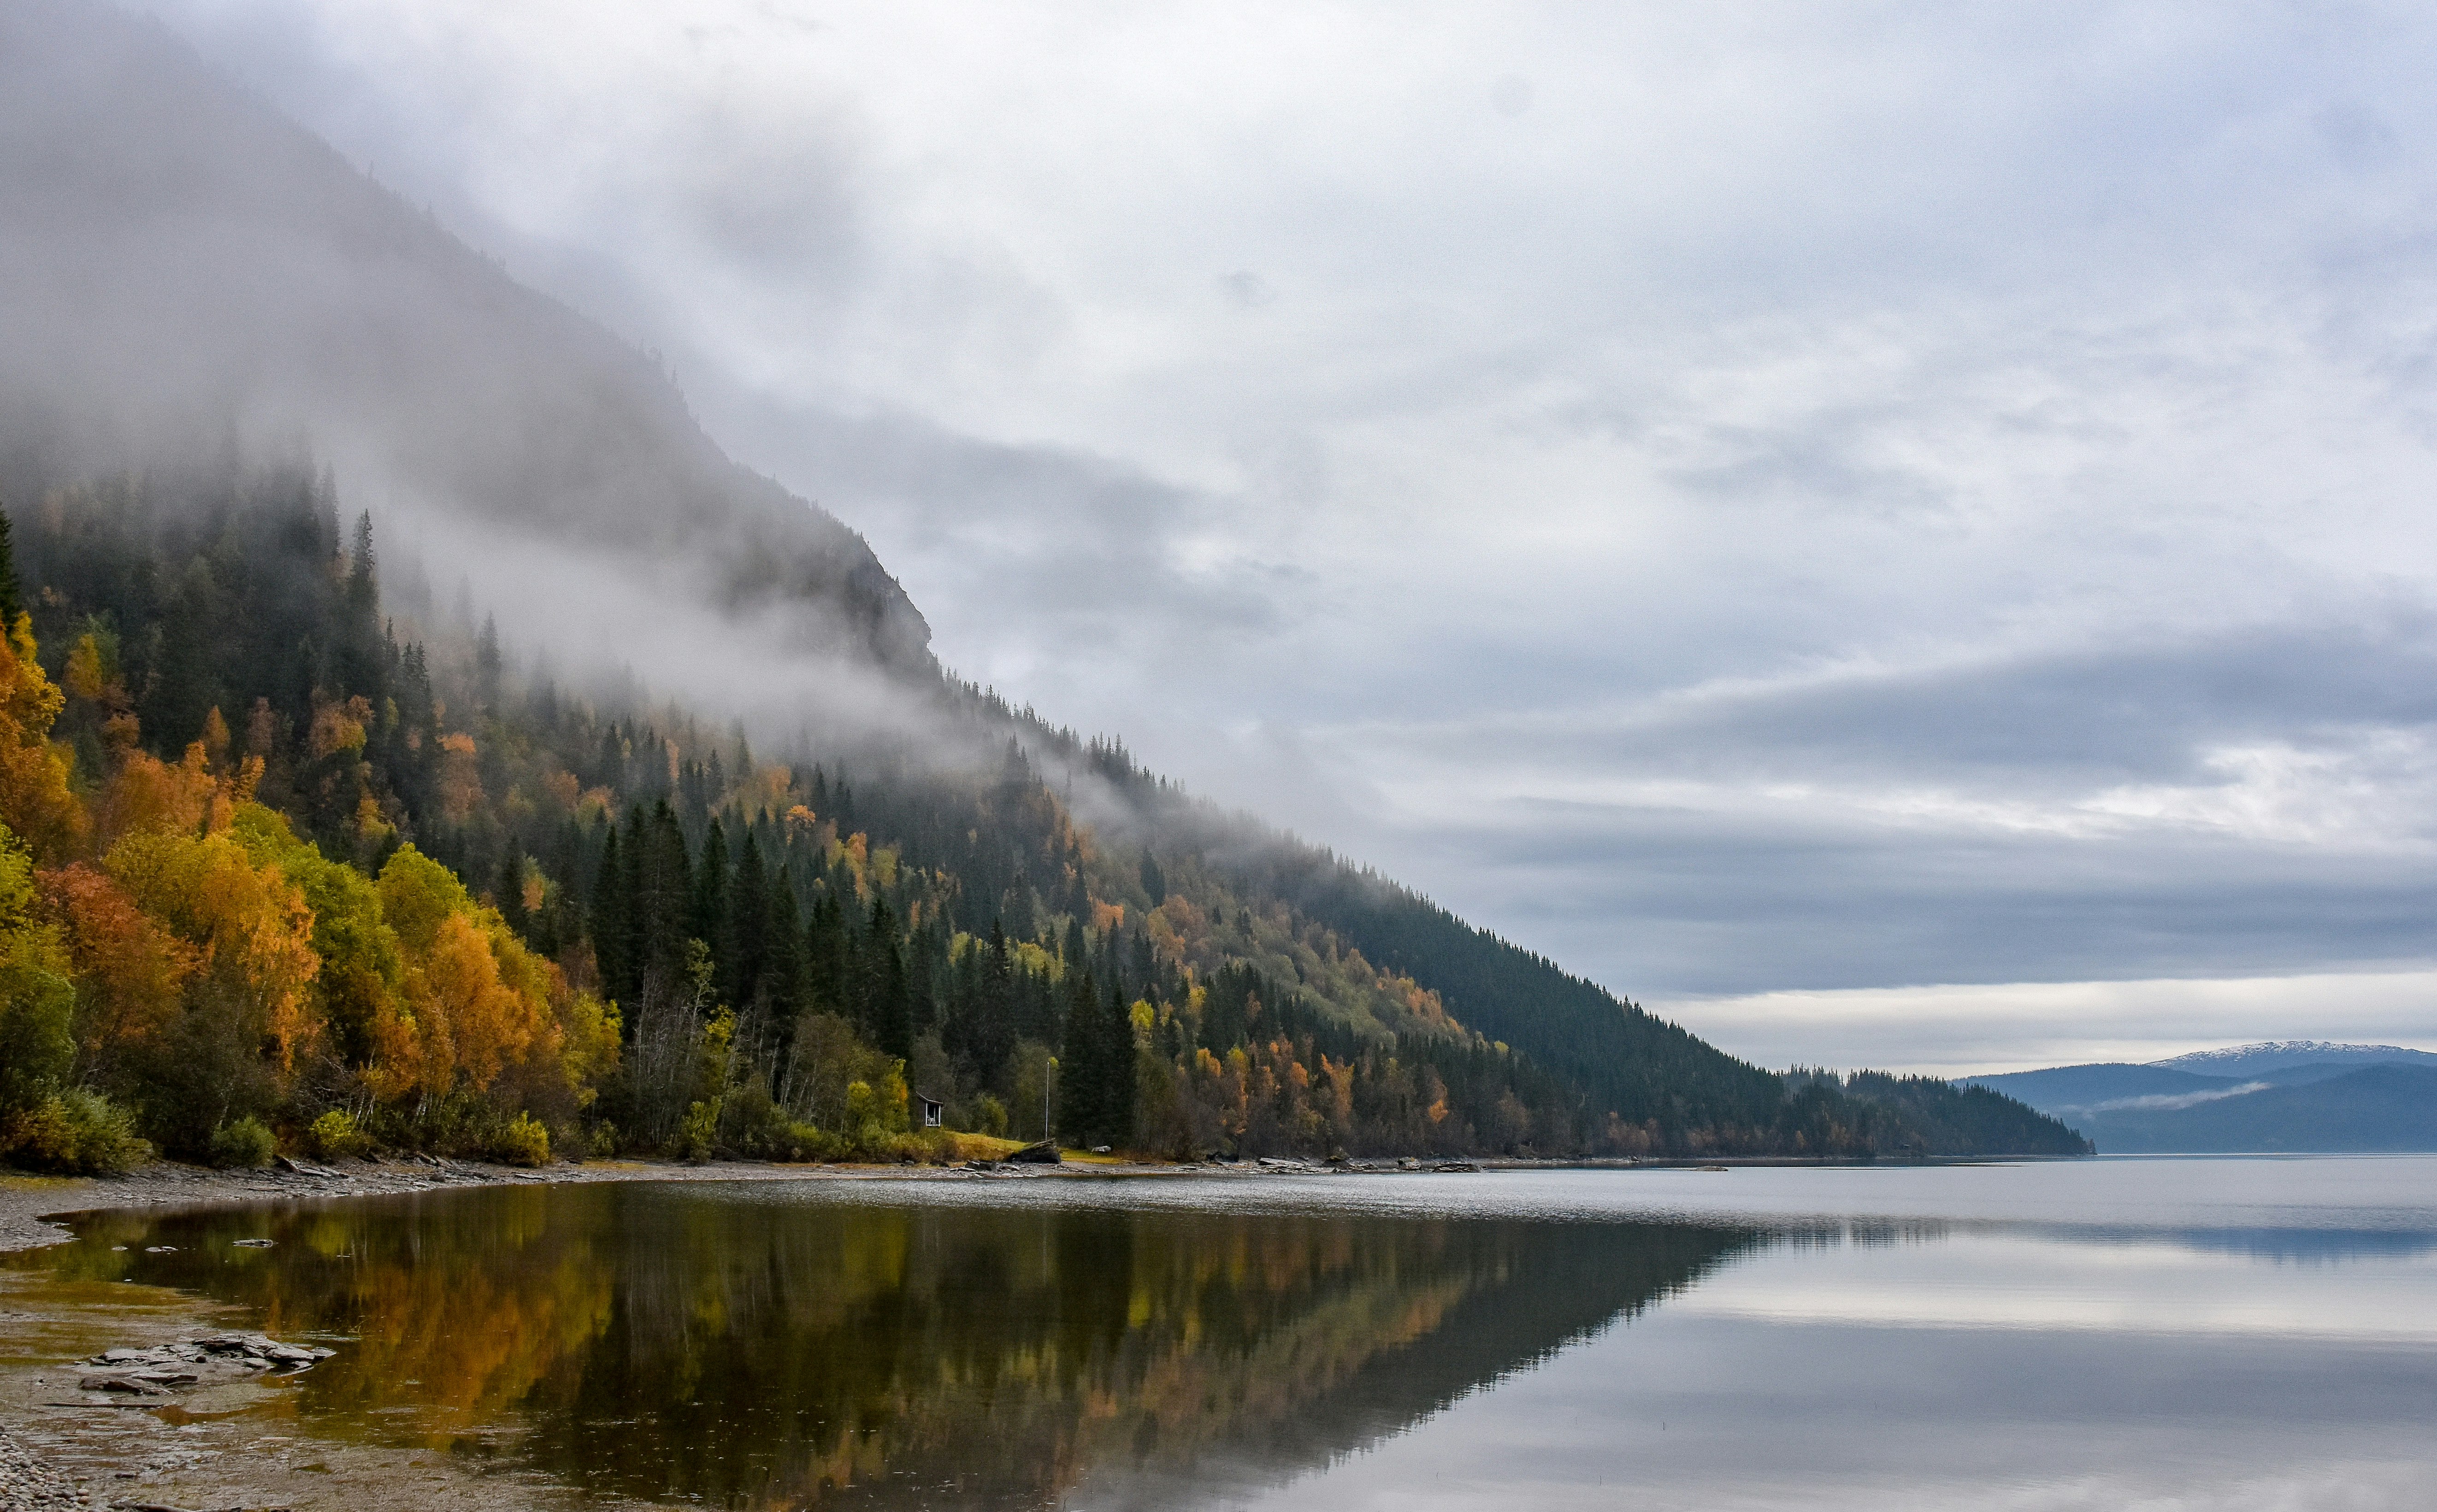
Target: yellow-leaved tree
[(477, 1011), (36, 802), (248, 1015)]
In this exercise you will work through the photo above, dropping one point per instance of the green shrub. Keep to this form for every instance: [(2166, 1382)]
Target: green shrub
[(930, 1147), (335, 1136), (246, 1143), (75, 1133), (694, 1136), (756, 1128), (990, 1116), (522, 1141)]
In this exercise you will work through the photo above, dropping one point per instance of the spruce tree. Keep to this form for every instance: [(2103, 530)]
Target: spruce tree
[(1081, 1076), (709, 919), (895, 1009), (510, 893), (746, 962), (487, 668), (886, 1010), (784, 982), (1117, 1071), (612, 904), (1075, 951), (825, 955), (663, 894), (10, 606)]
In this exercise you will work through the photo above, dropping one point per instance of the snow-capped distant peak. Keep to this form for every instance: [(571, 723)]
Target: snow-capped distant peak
[(2279, 1054)]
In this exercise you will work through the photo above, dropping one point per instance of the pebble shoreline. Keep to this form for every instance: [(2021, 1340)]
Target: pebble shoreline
[(28, 1483)]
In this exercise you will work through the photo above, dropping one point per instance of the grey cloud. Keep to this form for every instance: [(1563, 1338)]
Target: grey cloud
[(2011, 405), (1082, 552), (2038, 720), (1670, 904), (788, 212), (1246, 289)]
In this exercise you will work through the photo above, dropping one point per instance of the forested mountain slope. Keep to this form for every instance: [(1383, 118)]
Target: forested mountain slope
[(293, 850), (685, 945)]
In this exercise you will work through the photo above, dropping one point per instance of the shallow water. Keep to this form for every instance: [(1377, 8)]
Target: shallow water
[(2201, 1332)]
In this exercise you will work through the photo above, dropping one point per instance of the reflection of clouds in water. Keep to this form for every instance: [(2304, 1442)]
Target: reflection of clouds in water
[(1985, 1362), (2088, 1333), (2041, 1280), (1686, 1411), (2152, 1195)]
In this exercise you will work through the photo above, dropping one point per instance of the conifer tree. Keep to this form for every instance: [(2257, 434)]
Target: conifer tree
[(745, 962), (612, 907), (887, 1014), (1116, 1028), (11, 604), (1076, 949), (1081, 1074), (663, 895), (510, 894), (708, 920), (1098, 1069), (487, 668), (784, 981), (825, 956)]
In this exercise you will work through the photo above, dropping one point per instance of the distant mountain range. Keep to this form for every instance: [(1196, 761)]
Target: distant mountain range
[(2293, 1095)]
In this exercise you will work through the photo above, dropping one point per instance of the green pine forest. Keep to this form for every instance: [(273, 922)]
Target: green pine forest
[(294, 865)]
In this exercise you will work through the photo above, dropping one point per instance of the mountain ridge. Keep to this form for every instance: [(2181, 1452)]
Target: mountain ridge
[(2274, 1054), (2271, 1096)]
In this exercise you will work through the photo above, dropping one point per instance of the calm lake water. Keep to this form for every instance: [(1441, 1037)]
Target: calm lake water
[(2222, 1334)]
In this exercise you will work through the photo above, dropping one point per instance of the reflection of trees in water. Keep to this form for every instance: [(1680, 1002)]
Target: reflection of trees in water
[(660, 1341)]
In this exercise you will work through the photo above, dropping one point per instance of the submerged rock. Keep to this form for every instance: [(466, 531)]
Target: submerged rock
[(156, 1371), (127, 1385)]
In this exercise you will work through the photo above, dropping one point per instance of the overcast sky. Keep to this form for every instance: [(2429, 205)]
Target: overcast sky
[(1891, 533)]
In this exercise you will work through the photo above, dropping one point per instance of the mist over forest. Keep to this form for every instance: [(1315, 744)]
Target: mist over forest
[(421, 735)]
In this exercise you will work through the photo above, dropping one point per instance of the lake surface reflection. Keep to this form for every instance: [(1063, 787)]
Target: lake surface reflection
[(2203, 1333)]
